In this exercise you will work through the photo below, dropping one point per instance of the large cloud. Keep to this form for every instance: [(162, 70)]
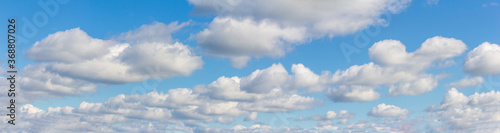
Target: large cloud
[(483, 60), (68, 46), (245, 29), (150, 54)]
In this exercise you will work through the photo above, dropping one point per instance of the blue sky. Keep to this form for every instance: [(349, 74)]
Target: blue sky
[(197, 43)]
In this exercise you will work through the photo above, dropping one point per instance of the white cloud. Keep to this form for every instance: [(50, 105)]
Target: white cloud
[(264, 81), (389, 111), (478, 112), (181, 109), (403, 72), (303, 77), (166, 60), (393, 53), (453, 98), (74, 54), (483, 60), (245, 29), (466, 82)]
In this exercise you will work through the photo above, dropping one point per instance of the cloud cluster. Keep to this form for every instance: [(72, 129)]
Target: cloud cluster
[(245, 29), (71, 62), (403, 72), (389, 111), (478, 112), (75, 54), (178, 109), (483, 60)]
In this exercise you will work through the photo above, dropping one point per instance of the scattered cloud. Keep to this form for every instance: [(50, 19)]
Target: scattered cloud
[(186, 109), (150, 53), (403, 72), (352, 93), (112, 62), (330, 115), (241, 39), (251, 117), (37, 83)]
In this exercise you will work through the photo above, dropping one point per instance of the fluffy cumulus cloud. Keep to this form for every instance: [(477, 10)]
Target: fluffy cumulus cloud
[(483, 60), (388, 125), (479, 112), (109, 61), (389, 111), (403, 72), (182, 109), (71, 62), (245, 29)]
